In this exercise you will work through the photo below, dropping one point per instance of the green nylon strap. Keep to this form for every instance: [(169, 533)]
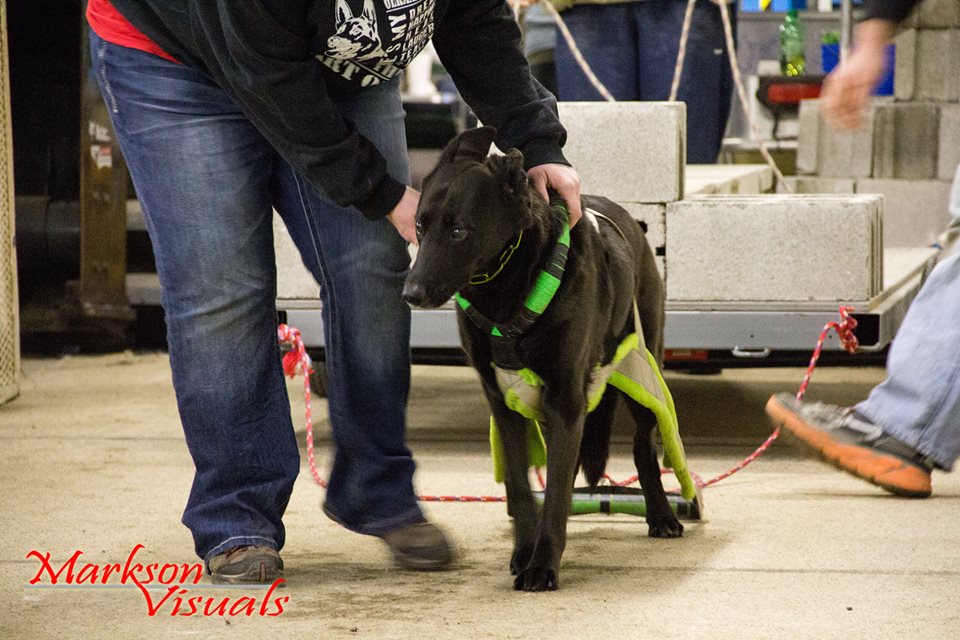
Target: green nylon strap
[(544, 289), (664, 410)]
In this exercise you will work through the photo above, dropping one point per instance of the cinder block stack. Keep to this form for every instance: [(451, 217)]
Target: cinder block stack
[(726, 247), (775, 248), (608, 143), (909, 146)]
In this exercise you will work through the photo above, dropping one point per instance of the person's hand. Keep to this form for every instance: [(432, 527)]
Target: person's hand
[(404, 215), (846, 91), (562, 179)]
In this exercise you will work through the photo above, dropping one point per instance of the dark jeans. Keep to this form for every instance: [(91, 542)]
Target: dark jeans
[(632, 48), (208, 183)]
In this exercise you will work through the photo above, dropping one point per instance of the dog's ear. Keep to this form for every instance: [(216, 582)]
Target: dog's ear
[(509, 174), (472, 144)]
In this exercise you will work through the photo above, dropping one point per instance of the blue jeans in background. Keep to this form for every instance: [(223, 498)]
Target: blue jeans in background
[(919, 402), (632, 48), (208, 182)]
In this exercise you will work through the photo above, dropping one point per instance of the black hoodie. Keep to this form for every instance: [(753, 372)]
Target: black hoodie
[(282, 60), (893, 10)]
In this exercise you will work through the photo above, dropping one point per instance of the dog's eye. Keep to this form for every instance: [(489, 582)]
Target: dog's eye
[(457, 232)]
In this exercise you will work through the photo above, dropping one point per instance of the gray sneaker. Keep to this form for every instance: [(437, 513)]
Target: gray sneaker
[(246, 565), (853, 444), (421, 547)]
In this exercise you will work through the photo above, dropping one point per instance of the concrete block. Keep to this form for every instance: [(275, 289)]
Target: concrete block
[(810, 184), (808, 142), (847, 154), (906, 141), (627, 151), (935, 14), (704, 179), (654, 216), (293, 279), (949, 146), (905, 65), (921, 71), (774, 248), (915, 211)]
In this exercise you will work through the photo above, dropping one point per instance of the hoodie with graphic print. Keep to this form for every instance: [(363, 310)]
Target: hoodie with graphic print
[(281, 61)]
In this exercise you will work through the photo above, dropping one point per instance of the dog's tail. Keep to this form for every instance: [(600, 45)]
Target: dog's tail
[(595, 445)]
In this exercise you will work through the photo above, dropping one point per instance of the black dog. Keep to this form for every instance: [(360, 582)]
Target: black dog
[(472, 212)]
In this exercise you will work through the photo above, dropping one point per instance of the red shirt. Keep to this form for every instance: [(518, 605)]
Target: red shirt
[(109, 24)]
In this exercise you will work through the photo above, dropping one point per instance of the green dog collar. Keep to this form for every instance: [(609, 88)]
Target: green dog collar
[(544, 289)]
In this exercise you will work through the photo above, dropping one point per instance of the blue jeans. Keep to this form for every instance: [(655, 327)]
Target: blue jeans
[(207, 183), (632, 48), (919, 402)]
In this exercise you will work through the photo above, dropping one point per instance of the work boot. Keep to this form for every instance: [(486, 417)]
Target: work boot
[(246, 565), (853, 444), (421, 547)]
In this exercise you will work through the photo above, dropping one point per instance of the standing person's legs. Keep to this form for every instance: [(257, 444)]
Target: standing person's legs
[(706, 84), (607, 38), (360, 265), (201, 171)]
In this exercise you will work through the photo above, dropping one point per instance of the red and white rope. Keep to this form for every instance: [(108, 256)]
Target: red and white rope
[(575, 50), (297, 360), (682, 52), (742, 93)]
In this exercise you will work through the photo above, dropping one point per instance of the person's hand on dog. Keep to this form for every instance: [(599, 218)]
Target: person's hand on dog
[(404, 215), (562, 179)]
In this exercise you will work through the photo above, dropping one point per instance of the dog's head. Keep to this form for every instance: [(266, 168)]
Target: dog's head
[(471, 207)]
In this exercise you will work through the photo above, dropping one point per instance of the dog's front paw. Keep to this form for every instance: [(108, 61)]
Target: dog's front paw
[(520, 558), (665, 526), (536, 579)]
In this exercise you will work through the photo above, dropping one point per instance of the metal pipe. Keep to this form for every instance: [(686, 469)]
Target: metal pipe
[(846, 28)]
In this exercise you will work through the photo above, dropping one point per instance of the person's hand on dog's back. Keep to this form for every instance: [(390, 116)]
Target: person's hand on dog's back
[(404, 215), (562, 179)]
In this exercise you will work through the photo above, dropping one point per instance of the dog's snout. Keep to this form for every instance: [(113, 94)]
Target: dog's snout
[(415, 294)]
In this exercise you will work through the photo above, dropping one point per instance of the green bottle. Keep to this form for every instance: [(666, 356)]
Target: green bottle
[(792, 59)]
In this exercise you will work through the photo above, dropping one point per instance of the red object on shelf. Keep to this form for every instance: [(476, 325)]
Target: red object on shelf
[(792, 93)]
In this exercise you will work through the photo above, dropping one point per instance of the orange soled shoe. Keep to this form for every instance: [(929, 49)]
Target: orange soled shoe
[(853, 444)]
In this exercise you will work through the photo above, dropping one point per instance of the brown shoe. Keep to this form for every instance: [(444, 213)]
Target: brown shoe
[(421, 547), (246, 565), (853, 444)]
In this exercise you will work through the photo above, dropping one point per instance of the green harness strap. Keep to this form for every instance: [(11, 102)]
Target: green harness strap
[(634, 371)]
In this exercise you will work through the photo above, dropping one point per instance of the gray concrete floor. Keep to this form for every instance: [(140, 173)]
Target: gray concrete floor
[(92, 459)]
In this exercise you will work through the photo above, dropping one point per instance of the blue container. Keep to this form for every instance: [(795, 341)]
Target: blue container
[(830, 55), (775, 6)]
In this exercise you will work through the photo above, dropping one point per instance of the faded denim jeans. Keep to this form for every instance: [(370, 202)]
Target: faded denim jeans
[(208, 182), (919, 402)]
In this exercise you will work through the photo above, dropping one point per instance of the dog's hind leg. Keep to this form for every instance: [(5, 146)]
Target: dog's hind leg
[(595, 446), (661, 520)]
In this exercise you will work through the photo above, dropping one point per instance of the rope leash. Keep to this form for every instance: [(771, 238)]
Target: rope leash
[(297, 360)]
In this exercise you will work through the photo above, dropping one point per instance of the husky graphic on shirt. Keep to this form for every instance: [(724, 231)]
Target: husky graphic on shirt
[(356, 38), (374, 40)]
